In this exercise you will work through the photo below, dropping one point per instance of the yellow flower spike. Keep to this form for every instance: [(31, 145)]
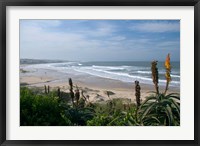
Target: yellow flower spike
[(167, 76), (167, 62), (168, 71)]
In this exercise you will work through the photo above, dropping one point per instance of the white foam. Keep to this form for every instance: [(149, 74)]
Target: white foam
[(105, 72), (108, 67)]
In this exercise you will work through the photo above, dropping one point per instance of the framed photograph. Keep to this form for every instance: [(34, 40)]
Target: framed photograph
[(99, 72)]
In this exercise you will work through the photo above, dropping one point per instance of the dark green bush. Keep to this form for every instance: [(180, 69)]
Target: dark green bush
[(39, 110)]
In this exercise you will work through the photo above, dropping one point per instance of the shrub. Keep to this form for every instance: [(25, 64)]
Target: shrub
[(39, 110)]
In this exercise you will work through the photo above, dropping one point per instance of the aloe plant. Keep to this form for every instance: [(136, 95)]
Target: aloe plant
[(160, 108)]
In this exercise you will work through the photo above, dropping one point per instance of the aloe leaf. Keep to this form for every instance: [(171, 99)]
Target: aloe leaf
[(166, 102), (176, 106), (152, 116), (173, 95), (169, 115), (148, 99), (148, 109)]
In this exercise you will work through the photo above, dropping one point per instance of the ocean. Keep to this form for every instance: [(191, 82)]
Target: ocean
[(122, 71)]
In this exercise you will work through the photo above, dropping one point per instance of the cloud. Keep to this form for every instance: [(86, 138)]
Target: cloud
[(36, 42), (87, 41), (101, 29), (40, 23), (117, 38), (156, 27), (168, 44)]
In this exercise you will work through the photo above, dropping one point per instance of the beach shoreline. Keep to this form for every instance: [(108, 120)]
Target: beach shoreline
[(94, 86)]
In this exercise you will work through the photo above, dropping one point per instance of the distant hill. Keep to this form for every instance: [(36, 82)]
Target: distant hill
[(39, 61)]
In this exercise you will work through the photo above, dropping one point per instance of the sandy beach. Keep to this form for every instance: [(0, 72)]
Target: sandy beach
[(95, 87)]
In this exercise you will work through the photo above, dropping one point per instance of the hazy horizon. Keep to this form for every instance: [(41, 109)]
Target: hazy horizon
[(97, 60), (100, 40)]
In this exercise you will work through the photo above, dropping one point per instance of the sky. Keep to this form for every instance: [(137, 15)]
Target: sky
[(100, 40)]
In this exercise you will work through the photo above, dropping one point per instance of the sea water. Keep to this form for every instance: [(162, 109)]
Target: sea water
[(126, 71)]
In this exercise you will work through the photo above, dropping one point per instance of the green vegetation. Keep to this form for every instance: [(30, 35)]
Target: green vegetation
[(39, 110), (40, 107), (160, 108)]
